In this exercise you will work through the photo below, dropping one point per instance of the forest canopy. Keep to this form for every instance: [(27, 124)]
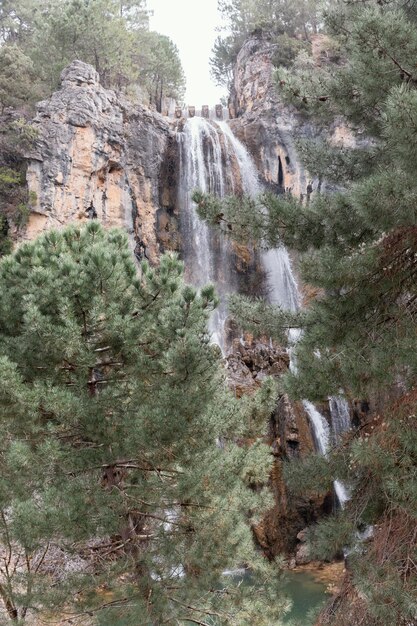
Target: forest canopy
[(116, 501), (39, 38)]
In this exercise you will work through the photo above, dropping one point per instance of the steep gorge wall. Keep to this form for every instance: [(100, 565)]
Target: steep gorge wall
[(262, 121), (98, 156), (269, 127)]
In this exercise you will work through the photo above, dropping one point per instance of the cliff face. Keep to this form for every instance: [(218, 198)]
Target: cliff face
[(99, 157), (262, 121)]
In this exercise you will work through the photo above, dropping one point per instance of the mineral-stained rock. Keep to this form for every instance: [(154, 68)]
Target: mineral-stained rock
[(289, 436), (268, 125), (289, 430), (262, 121), (97, 157)]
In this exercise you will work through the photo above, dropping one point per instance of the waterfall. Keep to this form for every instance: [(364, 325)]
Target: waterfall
[(339, 410), (207, 254), (342, 492), (283, 291), (340, 415), (320, 427), (207, 148), (281, 284)]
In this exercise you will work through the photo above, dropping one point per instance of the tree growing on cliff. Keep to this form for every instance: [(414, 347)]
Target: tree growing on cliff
[(111, 35), (114, 496), (277, 19), (359, 251), (160, 71)]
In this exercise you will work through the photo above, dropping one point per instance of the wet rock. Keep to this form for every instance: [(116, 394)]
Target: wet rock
[(250, 362), (289, 430)]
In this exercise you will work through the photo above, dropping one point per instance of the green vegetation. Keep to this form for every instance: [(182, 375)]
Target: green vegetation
[(16, 137), (359, 250), (40, 38), (115, 500), (116, 503), (284, 22)]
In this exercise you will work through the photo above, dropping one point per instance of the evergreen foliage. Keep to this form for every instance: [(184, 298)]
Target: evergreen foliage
[(16, 137), (358, 253), (115, 499), (40, 38), (283, 21)]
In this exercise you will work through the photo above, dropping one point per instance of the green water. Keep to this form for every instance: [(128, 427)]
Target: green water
[(306, 594)]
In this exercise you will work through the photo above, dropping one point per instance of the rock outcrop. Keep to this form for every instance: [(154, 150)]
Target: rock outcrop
[(289, 435), (97, 157), (261, 120)]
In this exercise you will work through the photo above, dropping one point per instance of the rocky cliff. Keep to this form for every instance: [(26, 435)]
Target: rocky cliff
[(98, 157), (268, 127), (262, 121)]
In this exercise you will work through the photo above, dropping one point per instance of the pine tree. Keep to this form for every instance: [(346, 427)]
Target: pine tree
[(115, 499), (280, 20)]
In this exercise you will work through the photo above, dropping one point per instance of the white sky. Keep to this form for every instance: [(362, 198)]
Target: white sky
[(191, 25)]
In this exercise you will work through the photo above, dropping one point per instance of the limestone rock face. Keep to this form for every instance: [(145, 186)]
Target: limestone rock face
[(97, 156), (262, 121), (268, 126)]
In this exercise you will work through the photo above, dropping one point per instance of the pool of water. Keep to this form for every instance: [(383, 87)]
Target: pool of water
[(307, 594)]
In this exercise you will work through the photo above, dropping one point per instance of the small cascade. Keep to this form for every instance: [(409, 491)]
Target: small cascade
[(281, 284), (320, 427), (340, 416), (342, 492)]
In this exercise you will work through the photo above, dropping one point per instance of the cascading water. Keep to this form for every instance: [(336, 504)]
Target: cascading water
[(339, 410), (281, 284), (283, 291), (207, 148), (320, 427), (207, 254), (340, 414)]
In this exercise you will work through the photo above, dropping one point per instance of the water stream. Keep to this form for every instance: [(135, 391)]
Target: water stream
[(341, 423), (207, 150)]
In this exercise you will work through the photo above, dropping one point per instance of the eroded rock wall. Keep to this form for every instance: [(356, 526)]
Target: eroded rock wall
[(97, 157), (262, 121)]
